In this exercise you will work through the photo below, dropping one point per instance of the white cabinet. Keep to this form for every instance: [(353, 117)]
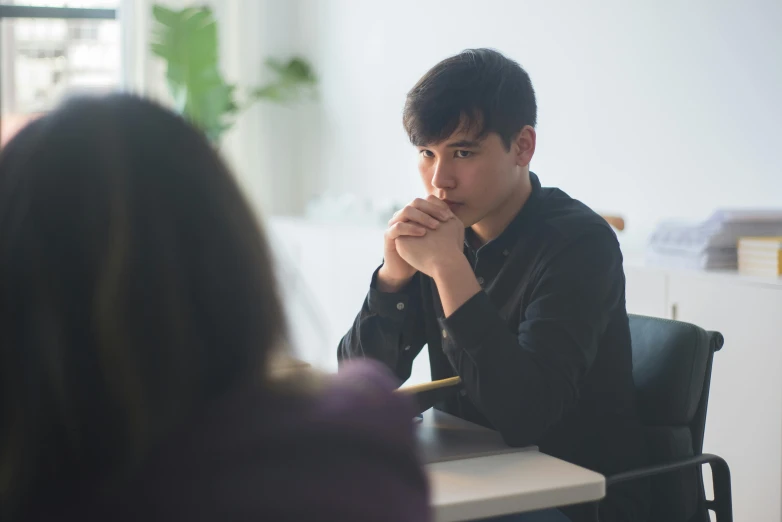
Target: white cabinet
[(646, 291), (324, 272), (744, 419)]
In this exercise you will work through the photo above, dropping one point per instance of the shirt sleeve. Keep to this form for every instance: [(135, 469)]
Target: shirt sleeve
[(525, 380), (389, 328)]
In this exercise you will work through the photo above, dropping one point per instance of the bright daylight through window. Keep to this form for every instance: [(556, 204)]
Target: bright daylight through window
[(50, 50)]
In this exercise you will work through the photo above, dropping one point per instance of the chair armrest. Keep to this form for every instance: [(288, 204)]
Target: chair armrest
[(658, 469), (722, 505)]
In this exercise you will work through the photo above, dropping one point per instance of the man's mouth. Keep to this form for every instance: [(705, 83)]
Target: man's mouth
[(452, 204)]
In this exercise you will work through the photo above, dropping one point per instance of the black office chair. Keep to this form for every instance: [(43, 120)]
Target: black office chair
[(672, 370)]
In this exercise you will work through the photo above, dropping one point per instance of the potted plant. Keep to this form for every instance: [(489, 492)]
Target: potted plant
[(187, 40)]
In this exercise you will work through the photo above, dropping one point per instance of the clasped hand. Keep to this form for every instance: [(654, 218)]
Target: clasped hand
[(426, 235)]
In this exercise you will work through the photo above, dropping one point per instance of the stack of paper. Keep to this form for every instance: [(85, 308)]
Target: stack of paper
[(760, 256), (711, 244)]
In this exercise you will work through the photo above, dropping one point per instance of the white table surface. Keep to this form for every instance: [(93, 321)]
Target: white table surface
[(474, 475)]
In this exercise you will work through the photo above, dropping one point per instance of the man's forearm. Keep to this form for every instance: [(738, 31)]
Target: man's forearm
[(520, 396), (456, 283)]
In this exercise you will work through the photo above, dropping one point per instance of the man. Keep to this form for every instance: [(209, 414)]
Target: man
[(516, 288)]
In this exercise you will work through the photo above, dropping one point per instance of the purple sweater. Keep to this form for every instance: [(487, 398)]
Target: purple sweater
[(346, 455)]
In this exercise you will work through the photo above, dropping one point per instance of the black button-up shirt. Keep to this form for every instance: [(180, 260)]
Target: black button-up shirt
[(543, 351)]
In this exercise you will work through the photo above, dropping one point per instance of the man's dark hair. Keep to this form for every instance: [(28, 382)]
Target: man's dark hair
[(479, 89)]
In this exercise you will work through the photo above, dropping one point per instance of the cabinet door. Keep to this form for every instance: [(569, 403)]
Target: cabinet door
[(324, 273), (646, 291), (744, 419), (305, 272)]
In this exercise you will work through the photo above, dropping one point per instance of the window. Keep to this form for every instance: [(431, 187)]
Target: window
[(50, 50)]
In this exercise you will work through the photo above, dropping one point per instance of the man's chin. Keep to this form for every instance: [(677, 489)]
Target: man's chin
[(466, 220), (464, 215)]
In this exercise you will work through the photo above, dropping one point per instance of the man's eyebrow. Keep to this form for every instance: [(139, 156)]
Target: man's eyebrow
[(464, 144)]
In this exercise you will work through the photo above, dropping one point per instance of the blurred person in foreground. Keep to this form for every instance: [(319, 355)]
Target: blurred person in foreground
[(516, 288), (140, 319)]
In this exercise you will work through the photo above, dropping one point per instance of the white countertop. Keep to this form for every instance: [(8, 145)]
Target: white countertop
[(490, 479), (443, 437)]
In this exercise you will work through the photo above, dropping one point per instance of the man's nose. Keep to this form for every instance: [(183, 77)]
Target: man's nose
[(443, 177)]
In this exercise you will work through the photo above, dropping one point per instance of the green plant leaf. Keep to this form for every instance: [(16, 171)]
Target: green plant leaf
[(293, 80), (187, 40)]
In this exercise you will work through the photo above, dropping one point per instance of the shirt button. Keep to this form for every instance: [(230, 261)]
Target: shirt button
[(407, 348), (400, 306), (445, 334), (505, 253), (480, 281), (463, 393)]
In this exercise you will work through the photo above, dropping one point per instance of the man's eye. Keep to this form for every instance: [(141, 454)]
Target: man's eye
[(463, 153), (427, 153)]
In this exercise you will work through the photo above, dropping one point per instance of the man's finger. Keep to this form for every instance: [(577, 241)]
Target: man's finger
[(437, 201), (414, 215), (436, 209), (440, 203), (404, 228)]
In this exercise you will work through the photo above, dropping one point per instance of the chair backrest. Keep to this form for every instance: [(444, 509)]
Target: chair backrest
[(672, 370)]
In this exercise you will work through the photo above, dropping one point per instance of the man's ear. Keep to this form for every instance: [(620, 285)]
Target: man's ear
[(524, 145)]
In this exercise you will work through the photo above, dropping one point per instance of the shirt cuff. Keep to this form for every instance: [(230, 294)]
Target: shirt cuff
[(471, 324), (387, 304)]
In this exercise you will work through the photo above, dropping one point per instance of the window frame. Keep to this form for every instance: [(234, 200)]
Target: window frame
[(12, 11)]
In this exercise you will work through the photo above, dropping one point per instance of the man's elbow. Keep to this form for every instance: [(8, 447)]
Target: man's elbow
[(528, 428), (526, 422), (520, 437)]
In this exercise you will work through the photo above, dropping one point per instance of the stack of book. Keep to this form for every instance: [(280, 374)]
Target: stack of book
[(711, 244), (760, 256)]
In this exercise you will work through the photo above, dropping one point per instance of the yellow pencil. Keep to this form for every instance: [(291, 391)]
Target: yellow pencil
[(418, 388)]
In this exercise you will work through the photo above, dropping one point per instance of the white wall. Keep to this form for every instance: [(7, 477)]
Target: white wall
[(648, 109), (261, 146)]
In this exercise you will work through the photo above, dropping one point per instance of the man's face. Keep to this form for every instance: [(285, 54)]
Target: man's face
[(475, 176)]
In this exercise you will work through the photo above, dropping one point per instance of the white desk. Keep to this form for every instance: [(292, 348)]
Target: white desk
[(474, 475)]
